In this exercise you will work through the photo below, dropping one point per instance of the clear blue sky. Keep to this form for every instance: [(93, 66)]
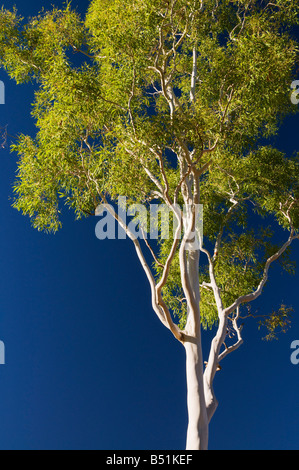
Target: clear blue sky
[(88, 364)]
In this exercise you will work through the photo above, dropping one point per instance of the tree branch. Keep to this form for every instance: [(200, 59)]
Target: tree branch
[(130, 99), (193, 75), (239, 341), (151, 250), (159, 307), (254, 295)]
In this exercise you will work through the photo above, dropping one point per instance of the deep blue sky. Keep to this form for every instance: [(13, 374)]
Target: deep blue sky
[(88, 364)]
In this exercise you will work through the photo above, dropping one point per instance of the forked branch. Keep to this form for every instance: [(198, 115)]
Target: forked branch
[(254, 295)]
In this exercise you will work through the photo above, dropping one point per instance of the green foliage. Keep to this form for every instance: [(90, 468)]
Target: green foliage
[(104, 125), (277, 322)]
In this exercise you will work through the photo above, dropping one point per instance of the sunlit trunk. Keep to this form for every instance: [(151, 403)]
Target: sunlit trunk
[(198, 427), (197, 432)]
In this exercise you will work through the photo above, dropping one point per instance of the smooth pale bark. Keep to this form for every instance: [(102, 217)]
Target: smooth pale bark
[(198, 426), (212, 365)]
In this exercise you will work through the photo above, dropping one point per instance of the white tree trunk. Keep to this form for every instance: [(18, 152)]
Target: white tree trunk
[(198, 426)]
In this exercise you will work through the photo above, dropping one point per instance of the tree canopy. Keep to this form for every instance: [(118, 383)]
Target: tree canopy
[(147, 98)]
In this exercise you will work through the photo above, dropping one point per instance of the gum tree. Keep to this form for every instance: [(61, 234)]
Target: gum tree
[(173, 102)]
